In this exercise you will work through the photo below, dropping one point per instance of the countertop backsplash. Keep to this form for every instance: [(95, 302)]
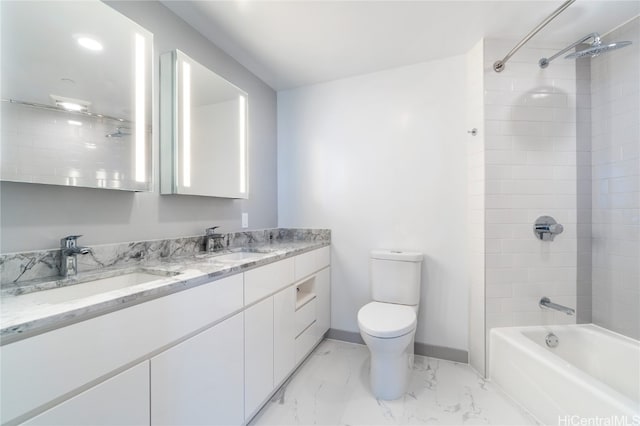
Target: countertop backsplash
[(18, 269)]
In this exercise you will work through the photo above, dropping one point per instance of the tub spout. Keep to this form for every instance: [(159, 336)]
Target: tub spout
[(545, 302)]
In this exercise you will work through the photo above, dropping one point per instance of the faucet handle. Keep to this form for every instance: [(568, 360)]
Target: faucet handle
[(69, 241), (211, 231)]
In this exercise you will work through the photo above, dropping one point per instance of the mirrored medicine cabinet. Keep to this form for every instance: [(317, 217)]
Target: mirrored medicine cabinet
[(203, 131), (76, 96)]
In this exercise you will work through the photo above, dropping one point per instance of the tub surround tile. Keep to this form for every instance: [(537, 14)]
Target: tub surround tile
[(332, 388), (177, 262)]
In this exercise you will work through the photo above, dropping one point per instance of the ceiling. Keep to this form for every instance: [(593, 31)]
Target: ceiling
[(295, 43)]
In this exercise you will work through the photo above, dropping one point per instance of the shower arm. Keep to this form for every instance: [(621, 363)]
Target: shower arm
[(544, 62), (498, 66)]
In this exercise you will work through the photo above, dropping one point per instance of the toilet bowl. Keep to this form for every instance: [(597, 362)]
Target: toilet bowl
[(388, 324), (388, 330)]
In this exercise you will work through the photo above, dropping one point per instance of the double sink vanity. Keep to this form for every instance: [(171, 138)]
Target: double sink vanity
[(160, 338), (150, 332)]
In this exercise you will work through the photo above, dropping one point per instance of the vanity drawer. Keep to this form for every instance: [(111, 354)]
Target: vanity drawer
[(305, 342), (310, 262), (305, 315), (266, 280)]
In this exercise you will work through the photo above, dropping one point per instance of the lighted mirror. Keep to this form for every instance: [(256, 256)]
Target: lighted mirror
[(76, 96), (203, 132)]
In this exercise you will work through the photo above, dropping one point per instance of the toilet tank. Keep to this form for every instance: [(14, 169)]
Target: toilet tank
[(395, 276)]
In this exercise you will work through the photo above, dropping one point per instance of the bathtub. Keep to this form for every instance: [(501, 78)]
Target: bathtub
[(592, 376)]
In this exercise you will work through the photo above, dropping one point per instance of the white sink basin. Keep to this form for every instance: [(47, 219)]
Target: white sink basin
[(237, 257), (86, 289)]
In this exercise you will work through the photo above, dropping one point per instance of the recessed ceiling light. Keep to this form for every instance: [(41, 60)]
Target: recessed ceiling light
[(89, 43), (74, 123), (70, 106)]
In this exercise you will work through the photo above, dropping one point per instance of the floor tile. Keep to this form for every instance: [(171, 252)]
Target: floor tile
[(332, 388)]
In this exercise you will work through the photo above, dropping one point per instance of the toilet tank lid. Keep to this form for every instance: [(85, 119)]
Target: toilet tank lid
[(398, 255)]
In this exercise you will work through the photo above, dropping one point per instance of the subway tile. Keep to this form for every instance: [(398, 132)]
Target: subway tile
[(497, 112), (538, 171), (498, 142), (504, 157), (497, 290), (532, 143), (506, 216), (551, 274), (498, 261), (493, 246), (498, 172), (521, 319), (531, 113), (501, 276), (498, 320)]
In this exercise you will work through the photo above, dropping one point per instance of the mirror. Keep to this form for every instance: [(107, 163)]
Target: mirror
[(76, 96), (203, 134)]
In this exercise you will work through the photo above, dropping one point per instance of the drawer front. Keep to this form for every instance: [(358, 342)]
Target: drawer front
[(266, 280), (310, 262), (305, 342), (121, 400), (305, 316), (106, 343)]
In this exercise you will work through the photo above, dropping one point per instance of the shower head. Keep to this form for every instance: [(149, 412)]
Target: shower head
[(596, 49)]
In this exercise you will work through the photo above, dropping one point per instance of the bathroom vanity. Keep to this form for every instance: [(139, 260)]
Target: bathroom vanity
[(207, 343)]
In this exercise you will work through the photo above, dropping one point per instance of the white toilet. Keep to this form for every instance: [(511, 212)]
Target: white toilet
[(388, 324)]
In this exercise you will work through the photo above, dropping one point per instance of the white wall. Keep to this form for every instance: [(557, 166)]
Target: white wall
[(37, 216), (615, 98), (380, 159)]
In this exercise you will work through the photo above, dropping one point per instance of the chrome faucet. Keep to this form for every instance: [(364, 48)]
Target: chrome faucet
[(546, 228), (545, 302), (213, 240), (69, 250)]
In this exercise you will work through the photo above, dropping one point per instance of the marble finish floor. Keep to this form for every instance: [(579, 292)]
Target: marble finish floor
[(332, 388)]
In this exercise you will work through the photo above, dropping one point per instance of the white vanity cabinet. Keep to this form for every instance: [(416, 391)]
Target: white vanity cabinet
[(200, 381), (290, 318), (41, 371), (212, 354), (120, 400)]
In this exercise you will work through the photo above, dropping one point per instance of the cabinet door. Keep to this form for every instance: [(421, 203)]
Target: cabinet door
[(323, 307), (284, 334), (121, 400), (258, 358), (200, 381)]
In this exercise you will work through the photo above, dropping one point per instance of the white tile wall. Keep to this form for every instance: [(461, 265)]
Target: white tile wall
[(531, 171), (615, 127), (28, 153)]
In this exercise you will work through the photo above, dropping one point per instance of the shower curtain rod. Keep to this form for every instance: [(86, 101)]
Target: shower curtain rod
[(498, 66), (63, 110)]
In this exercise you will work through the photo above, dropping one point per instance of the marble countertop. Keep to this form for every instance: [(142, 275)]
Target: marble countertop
[(23, 315)]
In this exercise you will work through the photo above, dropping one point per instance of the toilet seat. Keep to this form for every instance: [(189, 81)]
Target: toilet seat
[(386, 320)]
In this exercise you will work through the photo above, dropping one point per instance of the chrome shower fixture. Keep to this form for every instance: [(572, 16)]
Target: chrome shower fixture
[(594, 50), (118, 133)]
